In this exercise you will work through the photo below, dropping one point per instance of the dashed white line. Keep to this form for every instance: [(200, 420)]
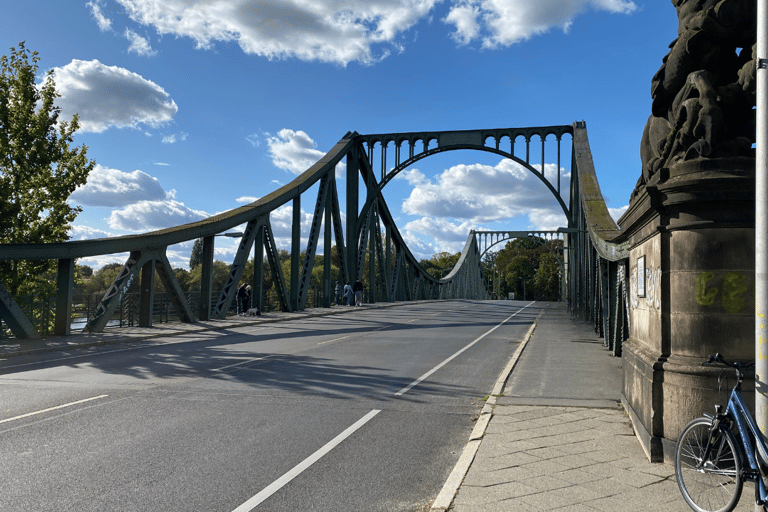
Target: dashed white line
[(433, 370), (303, 465), (53, 408)]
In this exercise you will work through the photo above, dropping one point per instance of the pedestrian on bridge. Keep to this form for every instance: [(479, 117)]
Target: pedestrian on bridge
[(339, 291), (348, 294), (358, 289), (247, 299), (242, 293)]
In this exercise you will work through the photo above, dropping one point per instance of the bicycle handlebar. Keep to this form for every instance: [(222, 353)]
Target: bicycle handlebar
[(717, 358)]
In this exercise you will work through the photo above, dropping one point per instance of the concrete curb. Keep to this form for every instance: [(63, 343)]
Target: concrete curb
[(460, 470), (71, 342)]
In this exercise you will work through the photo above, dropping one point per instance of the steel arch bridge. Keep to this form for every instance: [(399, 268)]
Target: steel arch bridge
[(368, 241)]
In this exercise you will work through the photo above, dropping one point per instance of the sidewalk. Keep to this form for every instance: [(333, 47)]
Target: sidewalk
[(558, 438)]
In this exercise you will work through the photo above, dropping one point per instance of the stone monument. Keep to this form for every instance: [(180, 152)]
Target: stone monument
[(690, 223)]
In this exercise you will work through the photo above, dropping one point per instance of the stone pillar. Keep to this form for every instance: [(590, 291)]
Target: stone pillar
[(691, 234)]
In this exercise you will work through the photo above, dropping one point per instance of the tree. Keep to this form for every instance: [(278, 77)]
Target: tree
[(528, 268), (547, 278), (441, 264), (38, 170), (196, 257)]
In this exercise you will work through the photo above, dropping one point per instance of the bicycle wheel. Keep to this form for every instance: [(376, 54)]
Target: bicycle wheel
[(715, 484)]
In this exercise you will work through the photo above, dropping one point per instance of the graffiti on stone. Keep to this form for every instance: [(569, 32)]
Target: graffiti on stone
[(732, 288), (653, 287), (705, 296), (734, 285), (634, 300)]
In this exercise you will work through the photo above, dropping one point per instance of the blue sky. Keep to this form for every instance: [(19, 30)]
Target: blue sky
[(193, 107)]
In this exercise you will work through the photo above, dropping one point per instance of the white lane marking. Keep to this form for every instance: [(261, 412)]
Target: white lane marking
[(337, 339), (306, 463), (240, 363), (433, 370), (52, 408)]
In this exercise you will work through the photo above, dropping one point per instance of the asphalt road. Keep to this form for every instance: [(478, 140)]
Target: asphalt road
[(363, 411)]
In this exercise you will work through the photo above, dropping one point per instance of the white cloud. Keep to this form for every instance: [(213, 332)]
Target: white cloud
[(151, 215), (322, 30), (246, 199), (282, 225), (463, 197), (106, 96), (139, 45), (88, 233), (174, 137), (114, 188), (102, 21), (444, 235), (616, 213), (506, 22), (464, 16), (481, 193), (293, 151)]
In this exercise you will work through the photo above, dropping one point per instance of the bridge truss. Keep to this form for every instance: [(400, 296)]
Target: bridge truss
[(370, 246)]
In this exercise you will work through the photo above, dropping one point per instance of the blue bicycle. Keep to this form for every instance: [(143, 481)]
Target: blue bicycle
[(710, 460)]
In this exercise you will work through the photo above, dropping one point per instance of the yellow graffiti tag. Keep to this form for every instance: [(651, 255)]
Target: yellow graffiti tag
[(733, 286), (703, 296)]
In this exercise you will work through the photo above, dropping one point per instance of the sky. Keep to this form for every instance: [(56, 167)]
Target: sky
[(194, 107)]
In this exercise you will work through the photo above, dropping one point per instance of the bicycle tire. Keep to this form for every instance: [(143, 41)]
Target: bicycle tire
[(715, 485)]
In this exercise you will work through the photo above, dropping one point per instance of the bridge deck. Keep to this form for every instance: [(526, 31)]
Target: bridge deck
[(13, 347)]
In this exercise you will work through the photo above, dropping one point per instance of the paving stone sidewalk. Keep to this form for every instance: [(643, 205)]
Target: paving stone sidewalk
[(559, 439), (564, 458)]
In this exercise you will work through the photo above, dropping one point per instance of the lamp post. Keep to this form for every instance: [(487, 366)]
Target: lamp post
[(761, 222)]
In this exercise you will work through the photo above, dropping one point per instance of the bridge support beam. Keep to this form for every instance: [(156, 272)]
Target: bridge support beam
[(206, 279), (65, 282), (691, 235)]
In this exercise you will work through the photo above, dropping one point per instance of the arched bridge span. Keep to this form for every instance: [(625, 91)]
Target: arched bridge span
[(369, 244)]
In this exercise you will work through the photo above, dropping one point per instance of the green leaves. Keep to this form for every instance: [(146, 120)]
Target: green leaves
[(38, 169)]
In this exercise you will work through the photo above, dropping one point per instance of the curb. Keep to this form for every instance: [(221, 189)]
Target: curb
[(460, 470)]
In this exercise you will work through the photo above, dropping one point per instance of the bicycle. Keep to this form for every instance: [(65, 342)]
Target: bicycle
[(710, 460)]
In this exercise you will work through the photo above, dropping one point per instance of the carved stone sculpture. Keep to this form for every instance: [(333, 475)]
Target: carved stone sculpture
[(704, 93)]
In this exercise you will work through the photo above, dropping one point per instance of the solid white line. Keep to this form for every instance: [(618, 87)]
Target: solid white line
[(433, 370), (306, 463), (52, 408)]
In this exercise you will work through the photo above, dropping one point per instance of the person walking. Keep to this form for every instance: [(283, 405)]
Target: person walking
[(348, 294), (358, 289), (339, 291), (242, 293), (247, 299)]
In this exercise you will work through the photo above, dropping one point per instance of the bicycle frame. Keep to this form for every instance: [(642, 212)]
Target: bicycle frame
[(748, 431)]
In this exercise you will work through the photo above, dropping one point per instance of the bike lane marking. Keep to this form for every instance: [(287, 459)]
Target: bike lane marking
[(305, 464), (53, 408), (454, 356)]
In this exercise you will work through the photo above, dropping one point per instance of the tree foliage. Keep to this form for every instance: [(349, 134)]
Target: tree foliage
[(441, 264), (38, 169), (196, 257), (528, 268)]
